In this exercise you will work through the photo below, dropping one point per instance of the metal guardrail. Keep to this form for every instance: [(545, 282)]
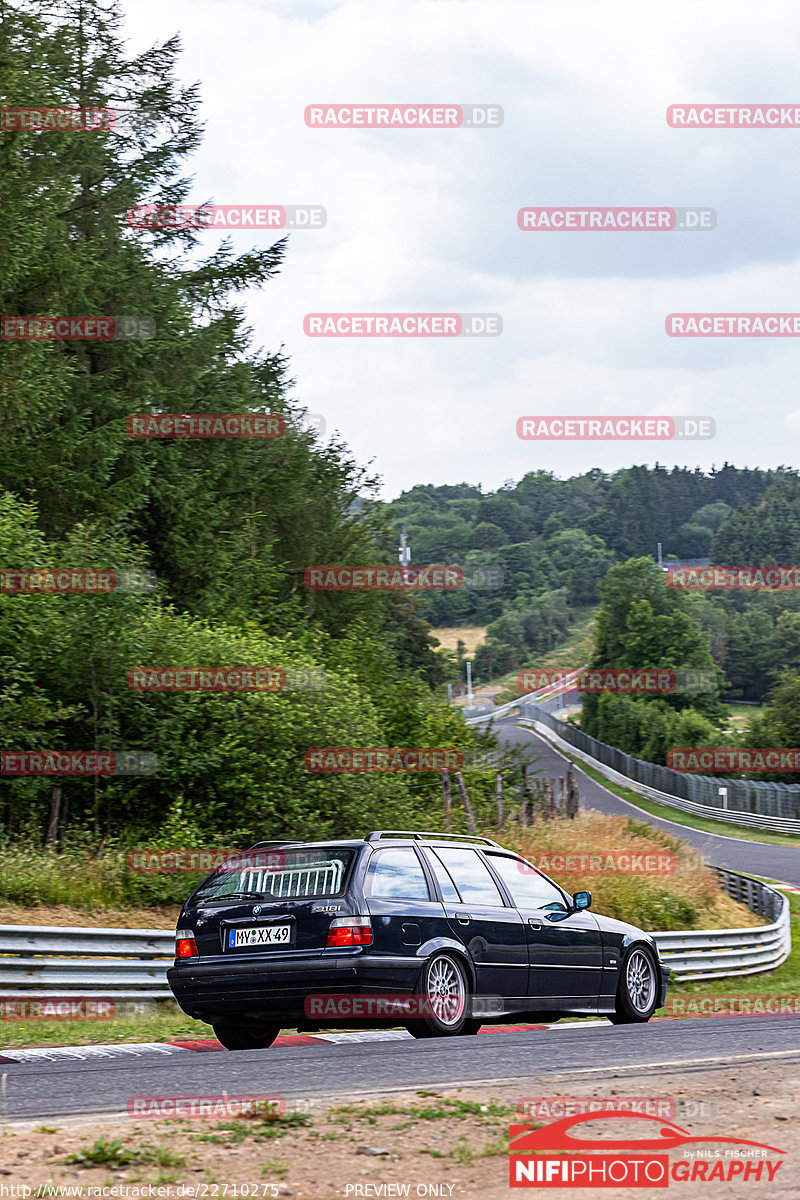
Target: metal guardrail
[(503, 709), (131, 964), (756, 804), (720, 953), (70, 962)]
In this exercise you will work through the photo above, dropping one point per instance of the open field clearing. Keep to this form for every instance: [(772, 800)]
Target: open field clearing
[(470, 635)]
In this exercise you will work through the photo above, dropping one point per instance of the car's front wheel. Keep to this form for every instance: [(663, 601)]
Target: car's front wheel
[(637, 990), (442, 997), (235, 1036)]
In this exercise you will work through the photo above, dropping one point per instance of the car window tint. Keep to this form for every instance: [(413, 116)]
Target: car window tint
[(398, 875), (471, 876), (449, 889), (528, 888)]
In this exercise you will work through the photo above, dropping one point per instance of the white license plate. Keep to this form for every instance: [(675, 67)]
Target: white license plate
[(262, 935)]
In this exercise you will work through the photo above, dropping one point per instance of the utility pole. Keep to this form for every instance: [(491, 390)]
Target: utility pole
[(469, 682), (660, 559), (405, 555)]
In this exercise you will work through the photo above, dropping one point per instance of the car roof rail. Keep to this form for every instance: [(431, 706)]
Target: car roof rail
[(418, 835), (285, 842)]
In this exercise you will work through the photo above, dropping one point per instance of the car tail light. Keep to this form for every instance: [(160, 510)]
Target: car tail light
[(185, 945), (350, 931)]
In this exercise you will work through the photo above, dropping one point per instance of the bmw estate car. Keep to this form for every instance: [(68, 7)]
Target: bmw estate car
[(452, 931)]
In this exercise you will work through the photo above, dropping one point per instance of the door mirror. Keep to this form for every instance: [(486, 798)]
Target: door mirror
[(582, 899)]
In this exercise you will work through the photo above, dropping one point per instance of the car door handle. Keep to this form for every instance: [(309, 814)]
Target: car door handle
[(534, 923), (463, 918)]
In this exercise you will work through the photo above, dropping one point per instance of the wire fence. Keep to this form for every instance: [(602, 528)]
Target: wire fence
[(758, 803)]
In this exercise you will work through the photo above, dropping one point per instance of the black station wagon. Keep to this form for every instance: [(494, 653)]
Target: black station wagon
[(436, 932)]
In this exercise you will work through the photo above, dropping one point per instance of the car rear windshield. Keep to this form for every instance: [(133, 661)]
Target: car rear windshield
[(278, 874)]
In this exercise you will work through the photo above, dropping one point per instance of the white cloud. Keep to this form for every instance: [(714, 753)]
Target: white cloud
[(426, 220)]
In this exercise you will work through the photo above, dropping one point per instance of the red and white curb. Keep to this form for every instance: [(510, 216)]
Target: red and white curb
[(204, 1045)]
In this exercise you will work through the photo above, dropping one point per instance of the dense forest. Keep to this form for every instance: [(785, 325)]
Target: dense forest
[(227, 527), (549, 544)]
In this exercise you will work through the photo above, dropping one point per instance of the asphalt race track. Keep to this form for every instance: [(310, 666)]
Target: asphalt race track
[(749, 857), (344, 1072), (35, 1090)]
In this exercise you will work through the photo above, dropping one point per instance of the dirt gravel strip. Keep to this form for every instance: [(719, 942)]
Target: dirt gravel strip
[(447, 1142)]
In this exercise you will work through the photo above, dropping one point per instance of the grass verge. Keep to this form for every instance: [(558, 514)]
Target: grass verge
[(703, 824)]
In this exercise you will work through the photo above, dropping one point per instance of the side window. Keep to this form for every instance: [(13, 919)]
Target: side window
[(449, 889), (471, 876), (528, 888), (398, 875)]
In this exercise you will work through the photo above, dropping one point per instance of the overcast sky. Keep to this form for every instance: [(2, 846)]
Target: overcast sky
[(425, 220)]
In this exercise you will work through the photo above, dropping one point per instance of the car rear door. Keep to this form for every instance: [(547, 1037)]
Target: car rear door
[(492, 930), (404, 911), (565, 947)]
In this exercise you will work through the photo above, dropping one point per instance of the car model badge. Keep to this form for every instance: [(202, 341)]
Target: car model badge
[(256, 909)]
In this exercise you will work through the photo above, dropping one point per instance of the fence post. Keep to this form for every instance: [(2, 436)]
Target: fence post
[(462, 791), (548, 807), (446, 800), (498, 789), (523, 806), (573, 799)]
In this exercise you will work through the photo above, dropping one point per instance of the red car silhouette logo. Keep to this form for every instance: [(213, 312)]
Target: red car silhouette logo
[(558, 1136)]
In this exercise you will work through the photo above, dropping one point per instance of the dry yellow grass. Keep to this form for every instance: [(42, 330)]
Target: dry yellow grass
[(470, 635), (161, 917), (685, 895)]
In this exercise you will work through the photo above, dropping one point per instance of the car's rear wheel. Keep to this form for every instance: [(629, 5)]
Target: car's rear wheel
[(443, 990), (637, 990), (235, 1036)]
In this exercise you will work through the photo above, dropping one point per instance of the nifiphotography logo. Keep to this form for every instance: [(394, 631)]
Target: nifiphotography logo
[(554, 1156)]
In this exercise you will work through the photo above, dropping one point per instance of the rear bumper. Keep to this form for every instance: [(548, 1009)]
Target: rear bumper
[(212, 989)]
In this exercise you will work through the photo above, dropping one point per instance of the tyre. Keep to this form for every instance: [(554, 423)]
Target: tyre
[(443, 984), (637, 990), (245, 1037)]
